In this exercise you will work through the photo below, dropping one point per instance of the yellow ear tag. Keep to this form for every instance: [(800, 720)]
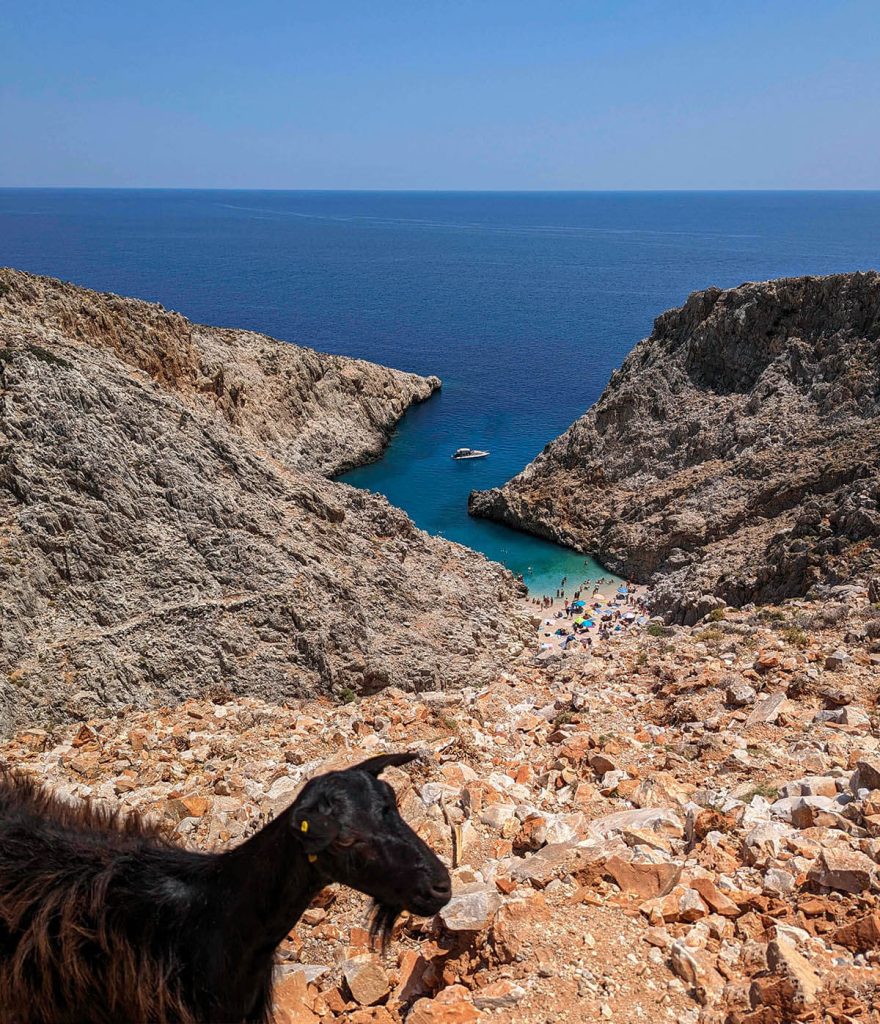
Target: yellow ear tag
[(303, 826), (312, 858)]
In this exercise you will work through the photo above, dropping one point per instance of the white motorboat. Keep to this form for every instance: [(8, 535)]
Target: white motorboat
[(469, 453)]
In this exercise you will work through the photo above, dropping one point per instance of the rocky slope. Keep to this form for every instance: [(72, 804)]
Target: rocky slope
[(165, 528), (733, 457), (682, 824)]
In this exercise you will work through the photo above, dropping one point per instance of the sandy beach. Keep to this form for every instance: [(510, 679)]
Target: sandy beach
[(588, 614)]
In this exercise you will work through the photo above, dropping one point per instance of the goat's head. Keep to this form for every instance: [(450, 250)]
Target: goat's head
[(350, 828)]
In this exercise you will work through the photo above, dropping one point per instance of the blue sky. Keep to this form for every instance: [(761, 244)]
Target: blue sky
[(458, 94)]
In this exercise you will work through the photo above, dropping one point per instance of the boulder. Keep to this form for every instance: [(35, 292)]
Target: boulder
[(837, 661), (495, 815), (866, 774), (767, 710), (695, 968), (470, 911), (281, 795), (717, 901), (451, 1009), (541, 867), (663, 820), (855, 717), (682, 903), (788, 807), (843, 869), (291, 1002), (811, 785), (779, 882), (861, 935), (740, 694), (784, 959), (642, 878), (366, 979), (498, 994)]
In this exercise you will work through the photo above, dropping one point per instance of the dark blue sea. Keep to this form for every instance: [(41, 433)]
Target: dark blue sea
[(523, 303)]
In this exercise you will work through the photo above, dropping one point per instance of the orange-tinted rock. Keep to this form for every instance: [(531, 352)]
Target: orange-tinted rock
[(292, 1002), (366, 980), (602, 763), (512, 924), (498, 994), (452, 1006), (681, 904), (33, 739), (195, 806), (718, 901), (335, 1001), (411, 977), (697, 970), (861, 935), (784, 959), (626, 788), (137, 738), (577, 747), (370, 1015), (584, 794), (85, 736), (642, 879)]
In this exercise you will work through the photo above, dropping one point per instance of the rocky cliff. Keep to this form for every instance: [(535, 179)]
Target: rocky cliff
[(734, 455), (166, 527)]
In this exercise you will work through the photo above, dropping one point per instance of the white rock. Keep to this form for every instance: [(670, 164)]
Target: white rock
[(784, 808), (495, 815), (437, 792), (663, 820), (281, 794), (470, 911), (778, 882)]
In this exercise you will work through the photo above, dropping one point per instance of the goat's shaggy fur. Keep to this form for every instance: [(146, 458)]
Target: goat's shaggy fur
[(104, 921), (60, 935)]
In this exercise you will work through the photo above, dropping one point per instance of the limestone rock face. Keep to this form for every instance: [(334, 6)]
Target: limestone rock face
[(166, 525), (733, 455)]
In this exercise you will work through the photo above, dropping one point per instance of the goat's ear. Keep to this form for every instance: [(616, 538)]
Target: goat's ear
[(316, 831), (376, 765)]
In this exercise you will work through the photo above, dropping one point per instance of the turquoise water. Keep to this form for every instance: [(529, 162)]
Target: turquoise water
[(418, 473), (523, 303)]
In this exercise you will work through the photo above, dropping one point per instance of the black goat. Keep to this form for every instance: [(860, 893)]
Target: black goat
[(104, 922)]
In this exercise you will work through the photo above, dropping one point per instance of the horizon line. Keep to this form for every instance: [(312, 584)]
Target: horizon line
[(439, 191)]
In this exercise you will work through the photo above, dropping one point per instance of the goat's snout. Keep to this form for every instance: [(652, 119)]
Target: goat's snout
[(435, 893), (440, 890)]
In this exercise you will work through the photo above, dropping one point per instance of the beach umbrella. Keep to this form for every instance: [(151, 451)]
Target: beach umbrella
[(622, 590), (579, 604)]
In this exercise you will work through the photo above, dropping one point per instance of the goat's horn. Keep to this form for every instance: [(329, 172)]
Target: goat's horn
[(376, 765)]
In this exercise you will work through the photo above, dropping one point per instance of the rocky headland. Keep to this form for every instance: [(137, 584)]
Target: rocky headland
[(167, 527), (734, 456)]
